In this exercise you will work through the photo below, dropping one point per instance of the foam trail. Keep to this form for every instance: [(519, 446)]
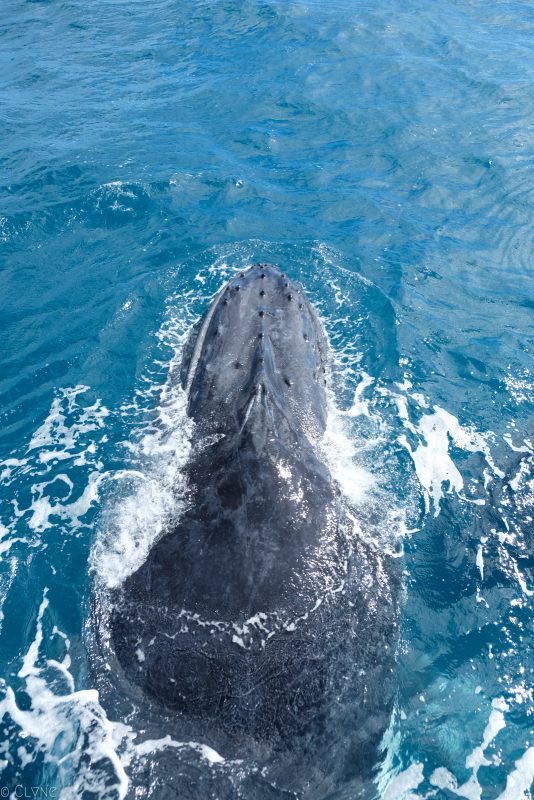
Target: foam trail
[(71, 729), (153, 745), (61, 459), (403, 784), (342, 457), (151, 493), (520, 781), (433, 463), (471, 789)]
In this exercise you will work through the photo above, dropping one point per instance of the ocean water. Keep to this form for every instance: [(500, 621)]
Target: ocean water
[(383, 154)]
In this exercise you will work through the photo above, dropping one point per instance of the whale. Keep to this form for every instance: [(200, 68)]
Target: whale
[(263, 615)]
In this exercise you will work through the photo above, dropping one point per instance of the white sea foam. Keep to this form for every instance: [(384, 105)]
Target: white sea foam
[(42, 508), (521, 387), (146, 497), (69, 727), (411, 783), (524, 447), (360, 405), (402, 786), (434, 466), (55, 432), (520, 780), (68, 438), (154, 745), (86, 751), (343, 458)]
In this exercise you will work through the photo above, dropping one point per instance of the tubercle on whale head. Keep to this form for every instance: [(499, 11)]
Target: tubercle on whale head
[(259, 357)]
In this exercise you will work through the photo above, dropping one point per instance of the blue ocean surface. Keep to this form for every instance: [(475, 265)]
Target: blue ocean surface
[(383, 155)]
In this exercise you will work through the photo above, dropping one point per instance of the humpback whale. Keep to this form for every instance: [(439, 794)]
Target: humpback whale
[(261, 615)]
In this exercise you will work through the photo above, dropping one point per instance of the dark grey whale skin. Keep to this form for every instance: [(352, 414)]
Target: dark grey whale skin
[(260, 615)]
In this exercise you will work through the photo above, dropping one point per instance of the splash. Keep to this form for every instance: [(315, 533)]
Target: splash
[(146, 497)]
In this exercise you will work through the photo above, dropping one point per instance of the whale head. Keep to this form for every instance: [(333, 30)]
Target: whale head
[(258, 363)]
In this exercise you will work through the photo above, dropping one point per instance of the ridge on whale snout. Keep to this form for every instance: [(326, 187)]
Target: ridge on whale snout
[(260, 345)]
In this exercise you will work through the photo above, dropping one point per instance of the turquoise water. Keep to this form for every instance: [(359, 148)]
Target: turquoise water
[(383, 155)]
